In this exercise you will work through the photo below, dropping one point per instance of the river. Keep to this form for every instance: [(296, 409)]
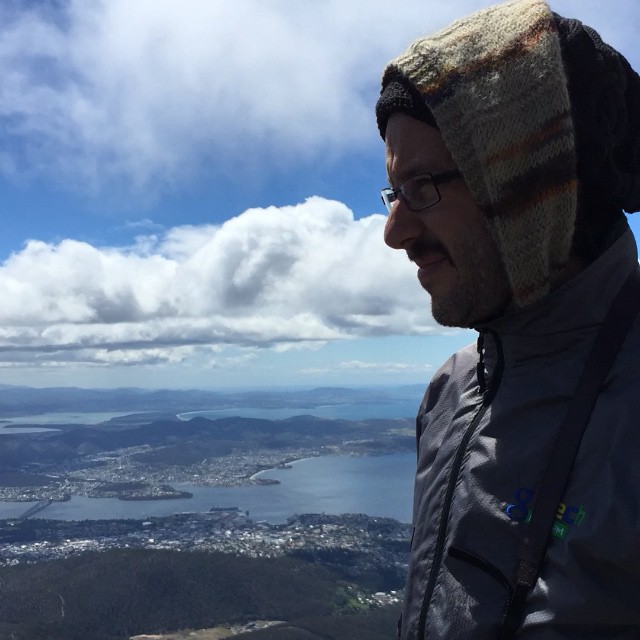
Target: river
[(375, 485)]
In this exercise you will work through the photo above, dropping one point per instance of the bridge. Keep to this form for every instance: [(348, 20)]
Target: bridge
[(39, 506)]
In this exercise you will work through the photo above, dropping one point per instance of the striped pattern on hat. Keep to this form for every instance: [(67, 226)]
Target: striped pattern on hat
[(496, 86)]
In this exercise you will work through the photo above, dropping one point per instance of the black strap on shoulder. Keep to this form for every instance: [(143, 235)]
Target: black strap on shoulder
[(624, 309)]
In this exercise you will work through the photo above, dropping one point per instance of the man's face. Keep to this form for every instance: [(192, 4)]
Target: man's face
[(457, 258)]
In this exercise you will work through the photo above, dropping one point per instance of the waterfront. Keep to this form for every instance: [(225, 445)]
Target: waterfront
[(375, 485)]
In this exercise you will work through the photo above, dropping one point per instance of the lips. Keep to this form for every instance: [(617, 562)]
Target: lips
[(428, 261), (429, 265), (429, 257)]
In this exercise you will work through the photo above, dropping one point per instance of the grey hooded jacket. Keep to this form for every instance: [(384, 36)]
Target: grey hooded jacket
[(480, 458)]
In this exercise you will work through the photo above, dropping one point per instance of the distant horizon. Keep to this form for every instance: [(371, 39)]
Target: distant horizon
[(257, 388), (76, 405)]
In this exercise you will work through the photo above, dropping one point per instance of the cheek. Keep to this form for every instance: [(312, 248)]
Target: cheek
[(465, 238), (466, 223)]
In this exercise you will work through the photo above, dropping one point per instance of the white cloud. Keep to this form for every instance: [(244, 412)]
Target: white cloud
[(146, 91), (354, 365), (360, 366), (144, 224), (275, 277)]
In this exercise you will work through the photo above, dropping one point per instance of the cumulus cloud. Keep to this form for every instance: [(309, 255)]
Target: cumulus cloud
[(143, 92), (274, 277)]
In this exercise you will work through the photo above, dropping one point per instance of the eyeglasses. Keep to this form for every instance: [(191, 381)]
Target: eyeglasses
[(419, 192)]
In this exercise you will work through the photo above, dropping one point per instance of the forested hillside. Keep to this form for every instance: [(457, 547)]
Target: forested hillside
[(111, 596)]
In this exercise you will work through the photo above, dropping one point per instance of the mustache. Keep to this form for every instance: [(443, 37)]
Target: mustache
[(422, 247)]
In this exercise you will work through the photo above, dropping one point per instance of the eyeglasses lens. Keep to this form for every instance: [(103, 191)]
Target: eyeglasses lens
[(419, 193)]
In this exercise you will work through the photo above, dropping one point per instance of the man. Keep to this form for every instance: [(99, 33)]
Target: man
[(513, 148)]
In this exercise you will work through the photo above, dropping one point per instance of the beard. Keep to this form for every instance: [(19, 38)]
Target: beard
[(480, 290)]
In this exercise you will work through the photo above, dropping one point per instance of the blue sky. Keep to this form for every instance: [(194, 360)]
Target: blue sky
[(189, 192)]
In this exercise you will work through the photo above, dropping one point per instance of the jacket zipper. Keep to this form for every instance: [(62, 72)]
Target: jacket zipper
[(488, 394)]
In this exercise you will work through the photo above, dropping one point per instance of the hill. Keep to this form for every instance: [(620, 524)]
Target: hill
[(24, 401), (183, 442), (111, 596)]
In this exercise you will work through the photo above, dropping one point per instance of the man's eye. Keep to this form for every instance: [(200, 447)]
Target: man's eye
[(420, 183), (417, 186)]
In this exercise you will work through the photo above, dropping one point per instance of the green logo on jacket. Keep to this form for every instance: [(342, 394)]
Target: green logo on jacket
[(567, 515)]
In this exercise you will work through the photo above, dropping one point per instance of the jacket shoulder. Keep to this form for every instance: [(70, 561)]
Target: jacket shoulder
[(456, 373)]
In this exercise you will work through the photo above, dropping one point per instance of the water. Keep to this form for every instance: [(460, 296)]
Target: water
[(23, 430), (375, 485), (8, 425), (66, 417), (399, 409)]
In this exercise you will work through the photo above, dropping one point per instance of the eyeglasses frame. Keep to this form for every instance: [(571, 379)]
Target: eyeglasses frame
[(436, 179)]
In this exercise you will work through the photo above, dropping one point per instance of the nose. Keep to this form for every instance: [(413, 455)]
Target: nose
[(403, 226)]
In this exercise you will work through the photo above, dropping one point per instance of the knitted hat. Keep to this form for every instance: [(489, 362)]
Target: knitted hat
[(495, 84), (400, 94), (605, 106)]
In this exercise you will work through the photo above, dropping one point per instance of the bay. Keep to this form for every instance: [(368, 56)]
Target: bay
[(66, 417), (8, 425), (375, 485)]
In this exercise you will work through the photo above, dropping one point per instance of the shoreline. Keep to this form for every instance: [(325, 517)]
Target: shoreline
[(285, 502), (285, 464)]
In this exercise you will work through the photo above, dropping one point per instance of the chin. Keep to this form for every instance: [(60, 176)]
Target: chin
[(447, 314), (465, 312)]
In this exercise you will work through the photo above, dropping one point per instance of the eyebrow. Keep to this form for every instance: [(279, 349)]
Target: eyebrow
[(410, 172)]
